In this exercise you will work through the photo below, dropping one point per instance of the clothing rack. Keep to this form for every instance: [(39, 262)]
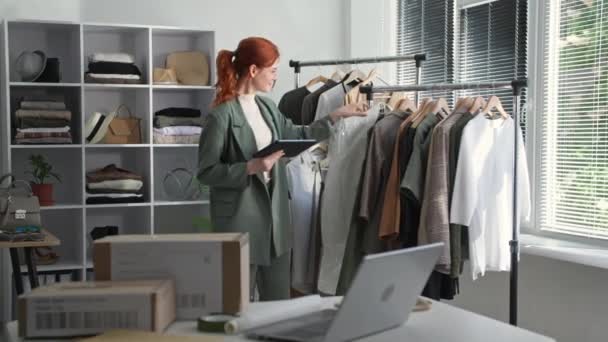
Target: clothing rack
[(517, 86), (419, 58)]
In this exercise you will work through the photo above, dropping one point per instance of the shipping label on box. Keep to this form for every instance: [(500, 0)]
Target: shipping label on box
[(197, 271), (81, 315)]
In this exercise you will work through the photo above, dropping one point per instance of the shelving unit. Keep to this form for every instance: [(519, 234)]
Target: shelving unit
[(71, 219)]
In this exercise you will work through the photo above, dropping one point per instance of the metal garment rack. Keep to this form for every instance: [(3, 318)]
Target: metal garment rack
[(419, 58), (517, 86)]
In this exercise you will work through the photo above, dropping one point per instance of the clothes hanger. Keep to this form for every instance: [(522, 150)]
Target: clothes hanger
[(405, 104), (494, 103), (463, 104), (315, 80), (338, 75), (477, 104), (423, 110), (395, 99), (440, 107)]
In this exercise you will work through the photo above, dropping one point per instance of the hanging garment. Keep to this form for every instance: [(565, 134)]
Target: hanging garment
[(347, 153), (331, 100), (483, 191), (304, 175), (412, 182), (291, 104), (309, 105), (378, 165), (435, 215), (459, 234)]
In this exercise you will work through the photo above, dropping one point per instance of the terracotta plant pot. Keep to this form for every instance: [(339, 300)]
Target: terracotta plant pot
[(44, 192)]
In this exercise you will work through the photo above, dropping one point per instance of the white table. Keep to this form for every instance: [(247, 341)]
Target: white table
[(442, 323)]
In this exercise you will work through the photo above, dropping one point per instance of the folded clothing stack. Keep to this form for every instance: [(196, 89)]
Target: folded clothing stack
[(177, 125), (43, 121), (112, 184), (112, 68)]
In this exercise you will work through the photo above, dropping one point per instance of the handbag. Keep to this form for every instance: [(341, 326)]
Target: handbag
[(19, 208), (123, 130)]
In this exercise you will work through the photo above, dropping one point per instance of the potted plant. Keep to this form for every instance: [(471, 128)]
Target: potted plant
[(41, 171)]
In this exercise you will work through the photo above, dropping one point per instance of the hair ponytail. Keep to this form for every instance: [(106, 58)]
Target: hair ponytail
[(251, 51), (226, 78)]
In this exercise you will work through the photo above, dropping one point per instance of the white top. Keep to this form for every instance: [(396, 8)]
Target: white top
[(347, 148), (261, 131), (483, 191), (331, 100), (421, 326)]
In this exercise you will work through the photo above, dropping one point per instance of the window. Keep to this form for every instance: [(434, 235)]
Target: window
[(573, 164), (426, 26), (493, 48)]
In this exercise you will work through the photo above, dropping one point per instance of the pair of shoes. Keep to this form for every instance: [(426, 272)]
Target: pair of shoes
[(42, 258)]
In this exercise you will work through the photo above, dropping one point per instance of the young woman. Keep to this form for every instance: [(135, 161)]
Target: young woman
[(251, 194)]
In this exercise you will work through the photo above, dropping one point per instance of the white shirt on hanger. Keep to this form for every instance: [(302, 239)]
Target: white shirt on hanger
[(483, 191), (261, 131)]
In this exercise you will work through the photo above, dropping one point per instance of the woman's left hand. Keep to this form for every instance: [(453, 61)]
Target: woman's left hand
[(352, 109)]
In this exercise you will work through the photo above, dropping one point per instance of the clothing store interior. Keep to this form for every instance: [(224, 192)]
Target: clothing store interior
[(320, 170)]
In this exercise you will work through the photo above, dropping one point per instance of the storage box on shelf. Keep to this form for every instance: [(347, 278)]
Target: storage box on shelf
[(57, 40), (117, 39), (136, 102)]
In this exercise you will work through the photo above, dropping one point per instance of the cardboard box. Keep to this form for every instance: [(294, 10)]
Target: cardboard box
[(82, 309), (211, 271)]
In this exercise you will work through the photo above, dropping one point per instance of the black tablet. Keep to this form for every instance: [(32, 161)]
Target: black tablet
[(291, 148)]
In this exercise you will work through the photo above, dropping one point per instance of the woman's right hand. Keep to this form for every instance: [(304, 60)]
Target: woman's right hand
[(264, 164)]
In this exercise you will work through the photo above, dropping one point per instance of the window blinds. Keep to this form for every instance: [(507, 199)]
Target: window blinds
[(426, 26), (574, 122), (493, 48)]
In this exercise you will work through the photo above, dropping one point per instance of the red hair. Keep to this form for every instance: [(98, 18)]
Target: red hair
[(251, 51)]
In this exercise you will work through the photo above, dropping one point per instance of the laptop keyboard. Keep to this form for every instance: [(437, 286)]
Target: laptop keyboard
[(309, 327)]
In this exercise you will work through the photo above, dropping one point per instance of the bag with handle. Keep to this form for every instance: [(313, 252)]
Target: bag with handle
[(19, 208), (123, 130)]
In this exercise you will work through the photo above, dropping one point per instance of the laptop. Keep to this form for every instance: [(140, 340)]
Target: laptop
[(381, 297)]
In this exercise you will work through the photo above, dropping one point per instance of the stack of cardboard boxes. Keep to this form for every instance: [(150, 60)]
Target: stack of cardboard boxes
[(144, 282)]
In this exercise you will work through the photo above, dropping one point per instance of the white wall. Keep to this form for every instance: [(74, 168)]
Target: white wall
[(64, 10), (563, 300), (311, 29)]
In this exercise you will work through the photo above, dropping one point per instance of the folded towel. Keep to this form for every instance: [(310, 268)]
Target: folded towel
[(44, 114), (176, 139), (109, 200), (112, 195), (111, 57), (43, 141), (39, 135), (53, 105), (111, 172), (179, 130), (41, 123), (90, 79), (123, 184), (114, 68), (161, 121), (179, 112), (44, 130), (120, 76)]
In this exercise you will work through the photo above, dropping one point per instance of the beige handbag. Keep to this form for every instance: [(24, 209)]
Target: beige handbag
[(123, 130), (191, 67)]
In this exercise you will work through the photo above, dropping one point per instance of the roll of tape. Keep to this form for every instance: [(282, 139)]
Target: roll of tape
[(214, 323)]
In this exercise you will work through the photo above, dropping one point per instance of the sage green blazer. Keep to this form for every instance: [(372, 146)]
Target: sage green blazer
[(241, 202)]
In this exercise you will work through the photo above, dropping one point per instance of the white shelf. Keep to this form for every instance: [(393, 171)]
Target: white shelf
[(174, 203), (70, 219), (116, 145), (59, 266), (114, 86), (175, 145), (117, 205), (41, 84), (61, 207), (182, 87), (15, 146)]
